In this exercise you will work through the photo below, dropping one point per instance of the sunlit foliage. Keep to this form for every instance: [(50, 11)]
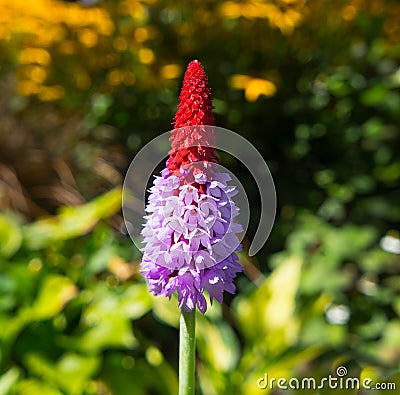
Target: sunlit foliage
[(314, 85)]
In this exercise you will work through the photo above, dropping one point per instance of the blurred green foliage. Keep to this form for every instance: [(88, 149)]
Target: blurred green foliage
[(314, 85)]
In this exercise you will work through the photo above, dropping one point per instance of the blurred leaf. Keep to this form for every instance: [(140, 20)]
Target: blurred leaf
[(7, 292), (338, 86), (112, 331), (41, 367), (71, 373), (8, 381), (122, 375), (75, 371), (166, 310), (211, 381), (72, 221), (218, 344), (284, 367), (135, 301), (125, 375), (36, 387), (100, 258), (316, 331), (269, 313), (131, 302), (373, 96), (391, 335), (375, 260), (10, 236), (55, 292), (394, 380), (84, 87), (108, 317), (371, 373)]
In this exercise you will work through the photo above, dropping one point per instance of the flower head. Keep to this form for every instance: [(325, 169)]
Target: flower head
[(189, 235)]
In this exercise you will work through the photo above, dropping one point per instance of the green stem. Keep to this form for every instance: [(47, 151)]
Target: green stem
[(187, 352)]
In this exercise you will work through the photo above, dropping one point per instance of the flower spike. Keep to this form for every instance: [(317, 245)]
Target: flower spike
[(189, 235)]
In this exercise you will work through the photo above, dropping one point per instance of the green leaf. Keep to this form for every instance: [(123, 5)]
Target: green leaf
[(55, 292), (135, 301), (269, 313), (39, 366), (166, 310), (374, 95), (125, 375), (112, 331), (8, 380), (74, 371), (393, 381), (72, 221), (218, 344), (108, 317), (36, 387), (7, 292), (10, 236), (99, 260), (211, 381), (71, 373)]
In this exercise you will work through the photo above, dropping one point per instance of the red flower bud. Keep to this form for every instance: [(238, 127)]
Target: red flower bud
[(195, 109)]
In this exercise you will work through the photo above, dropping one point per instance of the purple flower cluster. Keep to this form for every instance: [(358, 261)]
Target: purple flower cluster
[(190, 238)]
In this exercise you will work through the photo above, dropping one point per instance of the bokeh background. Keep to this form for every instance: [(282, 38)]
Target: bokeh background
[(313, 84)]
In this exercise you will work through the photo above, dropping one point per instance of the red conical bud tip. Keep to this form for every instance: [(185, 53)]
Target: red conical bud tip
[(190, 144), (195, 107)]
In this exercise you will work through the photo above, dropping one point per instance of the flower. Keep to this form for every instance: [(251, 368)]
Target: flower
[(190, 240)]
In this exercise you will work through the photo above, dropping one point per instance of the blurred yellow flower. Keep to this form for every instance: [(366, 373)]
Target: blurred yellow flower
[(114, 77), (257, 87), (34, 55), (120, 44), (141, 34), (146, 56), (133, 8), (253, 87), (88, 37), (349, 12), (37, 74), (40, 27), (83, 80), (170, 71), (50, 93), (286, 15), (129, 78), (67, 47), (27, 88)]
